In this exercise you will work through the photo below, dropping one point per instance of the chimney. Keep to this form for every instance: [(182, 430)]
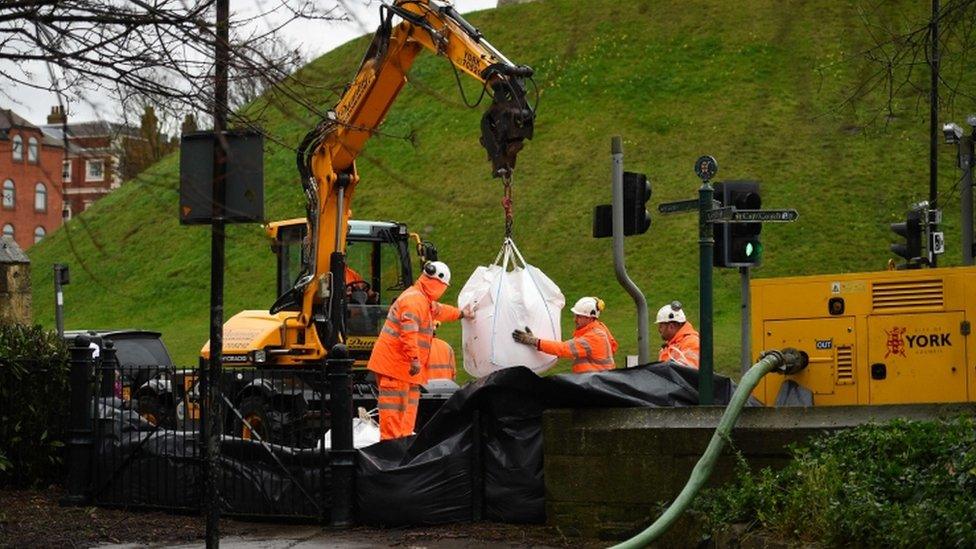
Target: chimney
[(57, 116)]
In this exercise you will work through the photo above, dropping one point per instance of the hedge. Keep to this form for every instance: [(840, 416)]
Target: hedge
[(900, 484), (34, 397)]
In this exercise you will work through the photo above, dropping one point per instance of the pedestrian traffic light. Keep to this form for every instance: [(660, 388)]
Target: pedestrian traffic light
[(637, 191), (911, 230), (738, 244)]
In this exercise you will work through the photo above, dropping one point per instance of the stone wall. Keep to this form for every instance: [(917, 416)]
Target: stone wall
[(606, 470)]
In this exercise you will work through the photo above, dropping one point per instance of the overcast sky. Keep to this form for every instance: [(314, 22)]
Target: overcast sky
[(313, 38)]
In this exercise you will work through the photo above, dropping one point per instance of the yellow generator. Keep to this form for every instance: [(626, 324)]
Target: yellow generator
[(873, 338)]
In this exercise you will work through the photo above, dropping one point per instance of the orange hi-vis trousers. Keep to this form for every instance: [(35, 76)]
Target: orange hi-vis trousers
[(397, 403)]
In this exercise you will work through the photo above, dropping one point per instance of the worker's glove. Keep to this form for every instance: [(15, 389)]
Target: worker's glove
[(414, 367), (526, 337)]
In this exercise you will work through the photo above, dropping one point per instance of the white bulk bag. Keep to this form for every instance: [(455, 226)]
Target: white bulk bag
[(496, 301), (365, 432)]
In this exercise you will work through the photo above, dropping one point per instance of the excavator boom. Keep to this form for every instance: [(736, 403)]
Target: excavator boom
[(326, 157)]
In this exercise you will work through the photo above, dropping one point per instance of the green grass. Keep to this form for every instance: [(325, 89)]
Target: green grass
[(737, 80)]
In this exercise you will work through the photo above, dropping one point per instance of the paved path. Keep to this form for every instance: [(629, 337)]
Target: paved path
[(275, 536)]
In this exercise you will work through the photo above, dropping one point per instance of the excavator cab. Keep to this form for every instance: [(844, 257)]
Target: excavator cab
[(378, 268)]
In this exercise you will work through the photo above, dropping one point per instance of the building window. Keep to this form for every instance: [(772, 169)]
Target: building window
[(66, 170), (32, 150), (95, 170), (8, 230), (9, 195), (40, 198), (18, 148), (39, 233)]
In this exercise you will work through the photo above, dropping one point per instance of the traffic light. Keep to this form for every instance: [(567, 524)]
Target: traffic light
[(738, 244), (637, 191), (911, 230)]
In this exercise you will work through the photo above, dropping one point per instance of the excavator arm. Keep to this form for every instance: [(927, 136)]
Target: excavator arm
[(326, 157)]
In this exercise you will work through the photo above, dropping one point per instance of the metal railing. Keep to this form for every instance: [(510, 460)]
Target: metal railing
[(143, 446)]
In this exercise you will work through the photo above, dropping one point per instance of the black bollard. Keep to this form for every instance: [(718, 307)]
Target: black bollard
[(342, 457), (107, 370), (78, 485)]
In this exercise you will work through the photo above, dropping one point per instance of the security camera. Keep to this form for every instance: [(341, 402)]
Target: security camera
[(971, 120), (952, 131)]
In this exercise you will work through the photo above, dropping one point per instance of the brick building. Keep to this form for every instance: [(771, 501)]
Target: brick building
[(94, 163), (30, 175)]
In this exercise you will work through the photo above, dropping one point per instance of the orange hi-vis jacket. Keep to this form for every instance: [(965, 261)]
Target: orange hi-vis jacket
[(409, 328), (684, 347), (352, 275), (591, 348), (441, 365)]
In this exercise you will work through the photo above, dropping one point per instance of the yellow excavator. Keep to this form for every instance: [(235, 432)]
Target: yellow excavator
[(324, 299)]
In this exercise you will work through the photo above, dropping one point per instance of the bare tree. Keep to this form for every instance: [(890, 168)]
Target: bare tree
[(895, 66), (161, 50), (149, 53), (248, 83)]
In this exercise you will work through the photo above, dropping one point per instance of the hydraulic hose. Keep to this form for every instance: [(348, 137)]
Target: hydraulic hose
[(787, 360)]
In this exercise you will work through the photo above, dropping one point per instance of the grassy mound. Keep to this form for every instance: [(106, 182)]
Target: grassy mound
[(758, 84)]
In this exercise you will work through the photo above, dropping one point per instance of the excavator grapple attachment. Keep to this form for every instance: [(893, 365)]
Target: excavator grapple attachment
[(507, 123)]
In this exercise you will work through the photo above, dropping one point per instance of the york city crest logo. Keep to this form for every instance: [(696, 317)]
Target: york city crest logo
[(895, 341), (898, 342)]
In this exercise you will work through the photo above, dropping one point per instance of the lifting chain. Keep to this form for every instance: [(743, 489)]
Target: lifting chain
[(507, 204)]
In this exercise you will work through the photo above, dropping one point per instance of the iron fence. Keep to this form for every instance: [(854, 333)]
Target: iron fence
[(273, 459)]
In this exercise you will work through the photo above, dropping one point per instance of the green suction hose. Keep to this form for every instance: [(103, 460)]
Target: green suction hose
[(790, 361)]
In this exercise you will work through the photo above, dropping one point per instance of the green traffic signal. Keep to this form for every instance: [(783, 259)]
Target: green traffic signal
[(754, 250)]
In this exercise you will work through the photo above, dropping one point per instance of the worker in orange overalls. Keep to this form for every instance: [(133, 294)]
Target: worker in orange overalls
[(352, 276), (355, 282), (402, 352), (592, 346), (681, 341), (442, 364)]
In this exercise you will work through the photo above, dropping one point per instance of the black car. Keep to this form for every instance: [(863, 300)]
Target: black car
[(144, 376)]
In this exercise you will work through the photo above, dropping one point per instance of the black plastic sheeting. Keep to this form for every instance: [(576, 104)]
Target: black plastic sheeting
[(429, 478), (792, 393), (139, 465)]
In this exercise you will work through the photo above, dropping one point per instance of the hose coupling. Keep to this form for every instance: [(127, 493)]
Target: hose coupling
[(789, 361)]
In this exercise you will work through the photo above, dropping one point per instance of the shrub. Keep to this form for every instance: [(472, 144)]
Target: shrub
[(33, 404), (902, 484)]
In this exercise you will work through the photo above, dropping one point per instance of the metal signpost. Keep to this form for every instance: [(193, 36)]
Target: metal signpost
[(705, 167), (966, 157), (212, 424), (711, 211)]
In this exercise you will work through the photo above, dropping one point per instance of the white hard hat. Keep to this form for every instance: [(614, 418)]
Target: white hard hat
[(672, 312), (588, 306), (438, 270)]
